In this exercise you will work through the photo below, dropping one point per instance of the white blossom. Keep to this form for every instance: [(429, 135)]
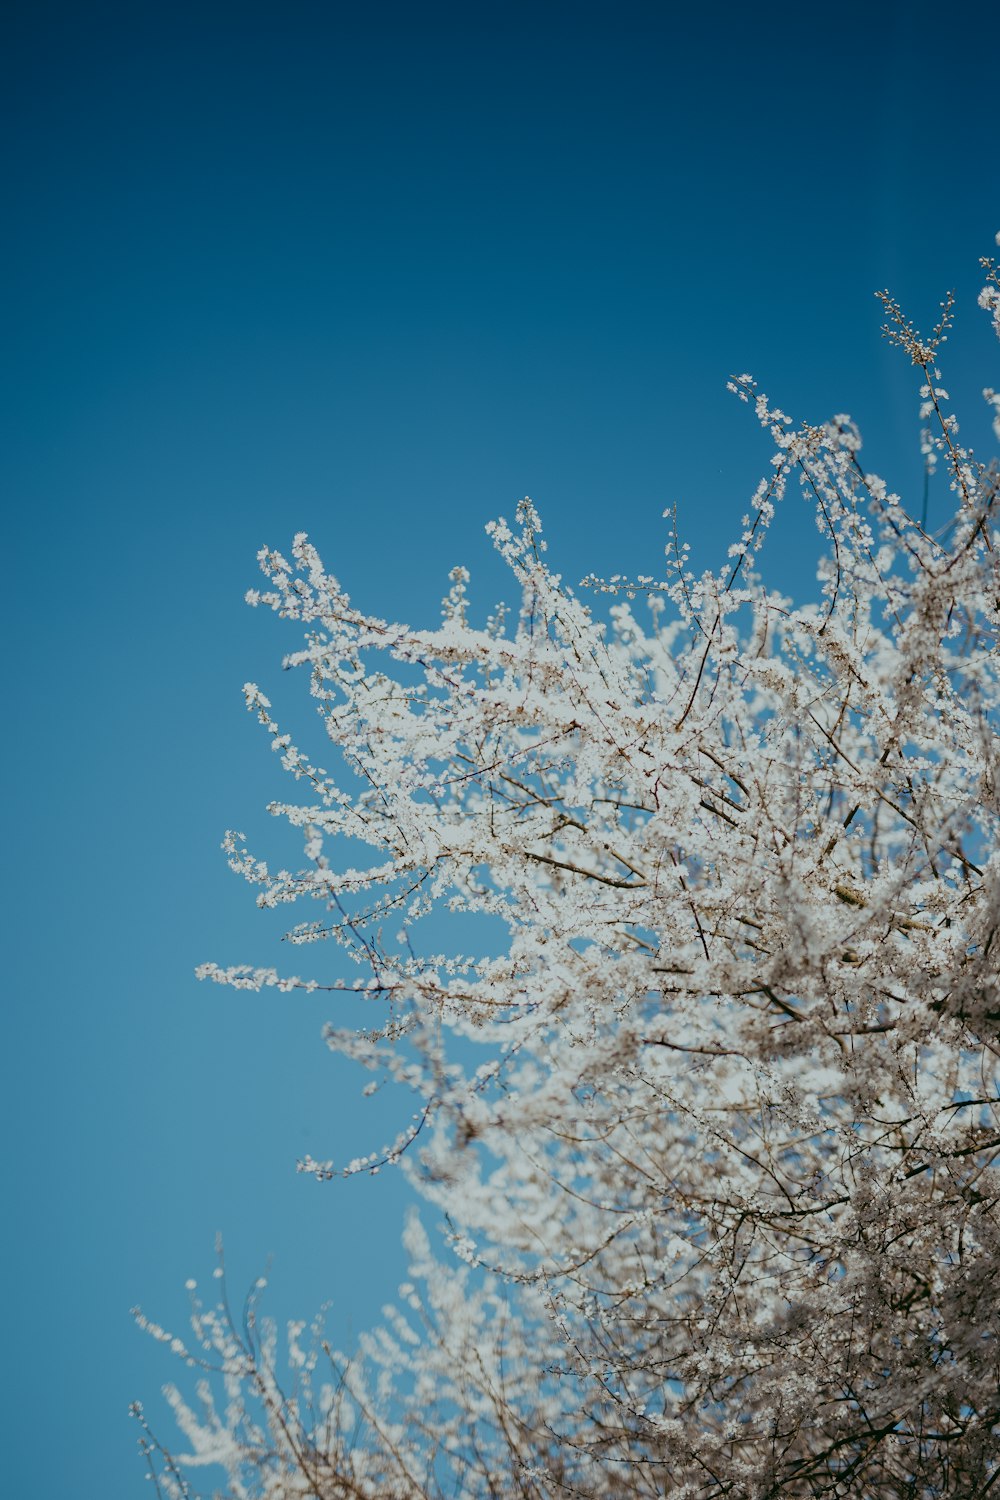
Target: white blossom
[(707, 1092)]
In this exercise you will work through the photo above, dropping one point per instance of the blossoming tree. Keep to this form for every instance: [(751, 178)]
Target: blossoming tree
[(711, 1114)]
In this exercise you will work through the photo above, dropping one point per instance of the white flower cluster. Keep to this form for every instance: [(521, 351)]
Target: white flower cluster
[(713, 1115)]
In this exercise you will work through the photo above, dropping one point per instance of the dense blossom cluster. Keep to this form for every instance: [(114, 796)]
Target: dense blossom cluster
[(711, 1111)]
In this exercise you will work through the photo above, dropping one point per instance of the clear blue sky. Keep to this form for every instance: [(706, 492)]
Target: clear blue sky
[(372, 272)]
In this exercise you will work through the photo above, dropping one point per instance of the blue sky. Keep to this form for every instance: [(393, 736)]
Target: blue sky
[(370, 272)]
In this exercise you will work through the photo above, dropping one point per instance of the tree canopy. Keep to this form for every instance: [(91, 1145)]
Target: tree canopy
[(707, 1090)]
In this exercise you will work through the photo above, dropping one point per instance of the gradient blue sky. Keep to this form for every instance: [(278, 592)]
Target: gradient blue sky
[(372, 272)]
